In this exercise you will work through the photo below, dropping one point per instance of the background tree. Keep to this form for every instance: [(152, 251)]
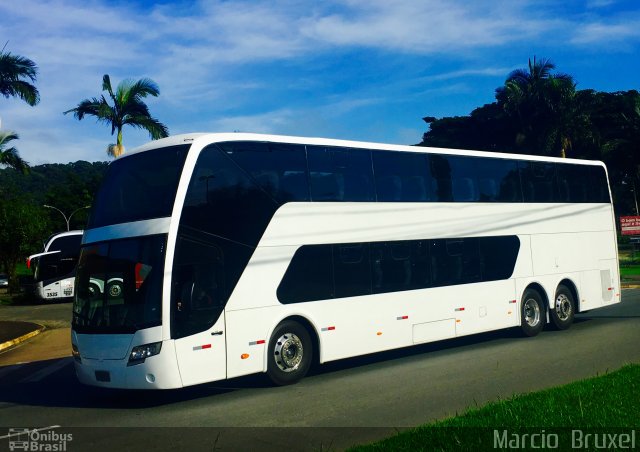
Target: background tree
[(66, 186), (487, 128), (126, 108), (544, 107), (9, 155), (17, 75), (22, 229)]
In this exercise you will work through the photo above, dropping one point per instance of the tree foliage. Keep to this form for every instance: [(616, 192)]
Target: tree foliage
[(65, 186), (9, 155), (542, 105), (22, 228), (126, 108), (17, 77)]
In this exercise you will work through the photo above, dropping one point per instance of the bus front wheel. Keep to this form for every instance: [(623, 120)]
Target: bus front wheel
[(290, 353), (532, 313), (564, 308)]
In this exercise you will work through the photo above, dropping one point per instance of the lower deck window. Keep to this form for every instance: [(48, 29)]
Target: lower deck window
[(320, 272)]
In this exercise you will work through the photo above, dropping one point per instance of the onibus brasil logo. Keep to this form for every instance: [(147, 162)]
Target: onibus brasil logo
[(38, 440)]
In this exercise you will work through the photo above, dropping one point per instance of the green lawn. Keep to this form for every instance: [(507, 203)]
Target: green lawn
[(605, 404), (630, 270)]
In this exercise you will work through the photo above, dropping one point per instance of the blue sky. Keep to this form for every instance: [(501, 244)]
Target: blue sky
[(354, 69)]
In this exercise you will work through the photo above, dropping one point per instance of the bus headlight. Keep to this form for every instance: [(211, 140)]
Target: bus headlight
[(142, 352)]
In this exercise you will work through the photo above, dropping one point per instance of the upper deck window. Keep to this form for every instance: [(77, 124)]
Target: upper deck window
[(139, 187)]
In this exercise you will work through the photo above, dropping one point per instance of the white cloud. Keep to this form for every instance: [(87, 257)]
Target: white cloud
[(481, 72), (611, 33), (425, 27), (599, 3)]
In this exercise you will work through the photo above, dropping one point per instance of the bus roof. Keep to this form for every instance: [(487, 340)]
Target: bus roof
[(57, 235), (203, 139)]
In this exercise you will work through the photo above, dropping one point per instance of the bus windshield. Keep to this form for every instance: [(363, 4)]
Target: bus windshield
[(139, 187), (119, 285), (61, 264)]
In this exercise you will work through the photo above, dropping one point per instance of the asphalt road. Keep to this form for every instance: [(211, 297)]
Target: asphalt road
[(339, 404)]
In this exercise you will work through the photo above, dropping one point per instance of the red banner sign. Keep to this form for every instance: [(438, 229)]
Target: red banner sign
[(630, 225)]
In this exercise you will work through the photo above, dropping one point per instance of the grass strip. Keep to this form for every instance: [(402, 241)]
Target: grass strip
[(632, 270), (607, 404)]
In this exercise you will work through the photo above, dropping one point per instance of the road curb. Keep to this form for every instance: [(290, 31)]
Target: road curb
[(24, 337)]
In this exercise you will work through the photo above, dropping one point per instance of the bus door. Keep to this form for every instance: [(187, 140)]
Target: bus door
[(197, 312), (202, 356)]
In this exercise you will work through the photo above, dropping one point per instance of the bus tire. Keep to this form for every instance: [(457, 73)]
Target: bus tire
[(94, 291), (532, 313), (563, 309), (290, 352), (114, 289)]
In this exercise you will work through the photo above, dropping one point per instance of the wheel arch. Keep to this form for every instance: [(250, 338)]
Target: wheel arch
[(543, 293), (311, 329), (569, 284)]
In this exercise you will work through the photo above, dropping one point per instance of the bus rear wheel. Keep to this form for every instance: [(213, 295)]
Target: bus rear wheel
[(564, 308), (114, 289), (532, 313), (290, 352)]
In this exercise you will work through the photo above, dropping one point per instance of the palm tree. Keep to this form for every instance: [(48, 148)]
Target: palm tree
[(15, 73), (126, 108), (10, 156), (543, 105)]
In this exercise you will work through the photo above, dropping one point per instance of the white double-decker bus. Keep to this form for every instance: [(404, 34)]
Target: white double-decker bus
[(242, 253)]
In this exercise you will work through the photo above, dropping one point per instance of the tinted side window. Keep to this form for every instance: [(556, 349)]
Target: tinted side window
[(464, 183), (398, 266), (598, 187), (441, 174), (539, 182), (573, 183), (402, 176), (498, 180), (456, 178), (309, 276), (279, 169), (455, 261), (499, 255), (223, 200), (340, 174), (352, 273)]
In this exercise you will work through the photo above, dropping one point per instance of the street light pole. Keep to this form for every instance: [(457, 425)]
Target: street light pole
[(67, 220)]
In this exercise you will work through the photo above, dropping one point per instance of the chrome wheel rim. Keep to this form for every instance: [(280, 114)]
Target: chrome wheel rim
[(531, 312), (115, 290), (563, 307), (288, 352)]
